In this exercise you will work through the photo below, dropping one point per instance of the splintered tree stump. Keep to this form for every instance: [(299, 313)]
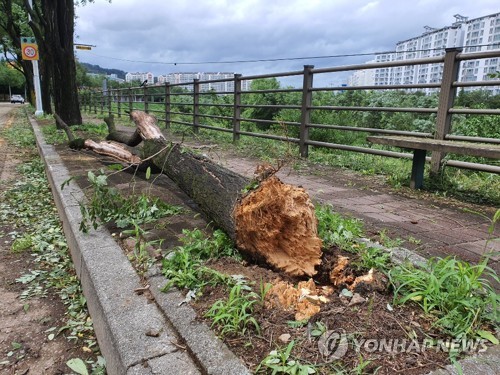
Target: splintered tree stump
[(275, 223)]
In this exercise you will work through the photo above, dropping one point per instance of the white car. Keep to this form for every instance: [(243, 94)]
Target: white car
[(17, 99)]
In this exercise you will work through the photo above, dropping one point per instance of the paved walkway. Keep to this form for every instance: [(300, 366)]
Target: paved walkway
[(430, 225)]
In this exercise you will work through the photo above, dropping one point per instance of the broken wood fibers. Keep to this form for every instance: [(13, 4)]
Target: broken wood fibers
[(275, 223), (278, 221)]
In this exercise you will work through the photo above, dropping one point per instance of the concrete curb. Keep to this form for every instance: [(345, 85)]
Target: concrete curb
[(133, 334)]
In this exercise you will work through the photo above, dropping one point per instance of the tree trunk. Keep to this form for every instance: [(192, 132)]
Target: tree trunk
[(58, 16), (275, 223)]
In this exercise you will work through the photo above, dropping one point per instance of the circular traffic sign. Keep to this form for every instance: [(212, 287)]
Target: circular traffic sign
[(29, 51)]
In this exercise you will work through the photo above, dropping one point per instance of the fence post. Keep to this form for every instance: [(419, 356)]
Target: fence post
[(103, 98), (110, 99), (446, 99), (119, 102), (145, 98), (167, 105), (305, 117), (94, 101), (196, 104), (130, 103), (237, 108)]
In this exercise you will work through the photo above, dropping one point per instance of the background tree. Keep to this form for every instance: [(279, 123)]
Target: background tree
[(13, 25), (53, 23), (10, 78)]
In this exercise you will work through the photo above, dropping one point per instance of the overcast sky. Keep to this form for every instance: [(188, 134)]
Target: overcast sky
[(153, 35)]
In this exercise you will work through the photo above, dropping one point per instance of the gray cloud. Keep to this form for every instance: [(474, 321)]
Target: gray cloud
[(218, 30)]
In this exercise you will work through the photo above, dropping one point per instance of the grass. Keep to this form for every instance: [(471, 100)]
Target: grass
[(234, 315), (106, 204), (456, 293), (28, 208), (280, 361), (184, 266), (337, 230)]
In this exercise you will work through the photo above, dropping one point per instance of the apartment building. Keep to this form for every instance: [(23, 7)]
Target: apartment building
[(189, 77), (130, 77), (479, 34)]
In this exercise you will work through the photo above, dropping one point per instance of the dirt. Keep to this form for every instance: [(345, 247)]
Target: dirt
[(372, 319), (25, 326)]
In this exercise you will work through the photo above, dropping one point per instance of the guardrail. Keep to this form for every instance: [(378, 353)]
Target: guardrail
[(180, 104)]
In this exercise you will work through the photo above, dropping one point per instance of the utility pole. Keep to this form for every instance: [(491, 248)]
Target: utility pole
[(36, 77)]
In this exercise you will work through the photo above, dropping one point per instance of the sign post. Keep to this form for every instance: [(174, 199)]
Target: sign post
[(30, 51)]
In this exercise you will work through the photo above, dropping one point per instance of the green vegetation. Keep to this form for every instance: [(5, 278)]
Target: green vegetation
[(184, 266), (234, 315), (55, 136), (334, 229), (106, 204), (280, 361), (28, 208), (459, 295), (455, 292)]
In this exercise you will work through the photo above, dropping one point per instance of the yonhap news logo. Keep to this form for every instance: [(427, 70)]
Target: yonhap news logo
[(333, 345)]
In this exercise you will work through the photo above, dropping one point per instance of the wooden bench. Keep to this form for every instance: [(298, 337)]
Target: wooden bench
[(420, 146)]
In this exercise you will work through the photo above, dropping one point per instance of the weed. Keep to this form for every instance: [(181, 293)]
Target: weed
[(318, 330), (235, 314), (281, 362), (455, 292), (388, 241), (106, 204), (372, 257), (333, 229), (184, 266)]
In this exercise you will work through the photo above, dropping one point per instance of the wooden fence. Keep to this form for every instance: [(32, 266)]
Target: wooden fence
[(165, 100)]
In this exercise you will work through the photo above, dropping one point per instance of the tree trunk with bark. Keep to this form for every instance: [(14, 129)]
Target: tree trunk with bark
[(273, 222), (58, 28)]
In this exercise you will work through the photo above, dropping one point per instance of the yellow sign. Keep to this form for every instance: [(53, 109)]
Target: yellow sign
[(80, 46), (29, 48)]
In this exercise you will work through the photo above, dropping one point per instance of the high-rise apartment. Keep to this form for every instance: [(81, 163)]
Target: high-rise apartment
[(479, 34)]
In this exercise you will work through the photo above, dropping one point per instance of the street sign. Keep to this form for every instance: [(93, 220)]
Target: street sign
[(29, 48), (83, 46)]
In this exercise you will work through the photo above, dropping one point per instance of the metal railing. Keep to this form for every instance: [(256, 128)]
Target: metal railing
[(180, 103)]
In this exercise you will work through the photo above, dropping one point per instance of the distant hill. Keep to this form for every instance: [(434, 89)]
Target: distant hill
[(98, 70)]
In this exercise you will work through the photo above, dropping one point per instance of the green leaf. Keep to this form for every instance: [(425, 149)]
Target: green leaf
[(488, 336), (148, 173), (16, 345), (78, 366)]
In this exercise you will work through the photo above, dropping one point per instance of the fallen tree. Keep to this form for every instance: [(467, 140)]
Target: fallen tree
[(272, 222)]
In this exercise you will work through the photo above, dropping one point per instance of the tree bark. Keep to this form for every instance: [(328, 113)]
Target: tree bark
[(58, 18), (274, 223)]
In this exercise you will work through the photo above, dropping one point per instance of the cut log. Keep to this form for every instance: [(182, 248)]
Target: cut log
[(113, 149)]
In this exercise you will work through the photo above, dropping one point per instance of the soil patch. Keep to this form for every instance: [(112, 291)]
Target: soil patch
[(374, 318)]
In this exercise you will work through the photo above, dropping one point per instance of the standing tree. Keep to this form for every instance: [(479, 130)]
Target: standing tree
[(53, 25)]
